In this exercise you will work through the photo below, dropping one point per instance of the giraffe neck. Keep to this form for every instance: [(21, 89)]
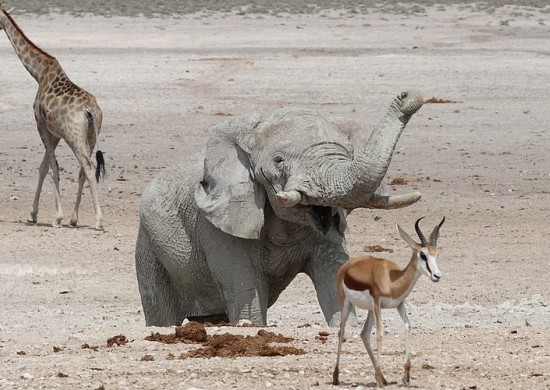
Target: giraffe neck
[(36, 60)]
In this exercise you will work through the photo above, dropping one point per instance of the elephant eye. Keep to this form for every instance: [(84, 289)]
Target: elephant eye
[(278, 159)]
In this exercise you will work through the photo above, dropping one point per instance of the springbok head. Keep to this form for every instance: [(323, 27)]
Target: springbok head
[(425, 251)]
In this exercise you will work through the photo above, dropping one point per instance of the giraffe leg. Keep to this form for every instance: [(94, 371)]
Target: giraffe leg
[(346, 310), (81, 180), (90, 177), (42, 171), (87, 169), (55, 175), (407, 324), (50, 143), (380, 380)]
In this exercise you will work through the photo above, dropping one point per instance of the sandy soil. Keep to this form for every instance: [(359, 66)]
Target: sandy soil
[(481, 160)]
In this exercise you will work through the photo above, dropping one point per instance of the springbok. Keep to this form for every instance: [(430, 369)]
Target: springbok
[(373, 284)]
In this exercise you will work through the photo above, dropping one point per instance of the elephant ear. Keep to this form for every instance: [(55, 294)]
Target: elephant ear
[(228, 194)]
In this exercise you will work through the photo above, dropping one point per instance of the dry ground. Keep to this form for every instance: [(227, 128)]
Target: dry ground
[(481, 160)]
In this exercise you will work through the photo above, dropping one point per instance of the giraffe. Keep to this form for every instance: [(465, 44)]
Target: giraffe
[(62, 110)]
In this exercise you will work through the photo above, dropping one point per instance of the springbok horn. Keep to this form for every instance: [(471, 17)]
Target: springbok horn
[(420, 235), (435, 233)]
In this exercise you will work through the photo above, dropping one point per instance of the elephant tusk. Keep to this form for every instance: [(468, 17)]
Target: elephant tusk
[(289, 198), (387, 202)]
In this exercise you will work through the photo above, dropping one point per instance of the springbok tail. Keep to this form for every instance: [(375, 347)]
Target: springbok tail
[(100, 168)]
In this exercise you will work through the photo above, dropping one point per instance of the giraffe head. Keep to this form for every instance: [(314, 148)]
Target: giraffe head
[(6, 13), (3, 14)]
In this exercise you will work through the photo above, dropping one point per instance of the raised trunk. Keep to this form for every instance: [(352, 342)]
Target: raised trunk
[(358, 183), (354, 184)]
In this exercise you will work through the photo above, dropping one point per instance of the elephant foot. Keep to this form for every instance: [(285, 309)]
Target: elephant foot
[(213, 319), (335, 320)]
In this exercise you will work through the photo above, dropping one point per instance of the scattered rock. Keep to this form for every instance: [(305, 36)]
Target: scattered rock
[(118, 340), (322, 337), (87, 346), (376, 248), (437, 100), (398, 181)]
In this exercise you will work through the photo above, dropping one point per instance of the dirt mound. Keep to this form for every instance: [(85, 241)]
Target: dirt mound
[(226, 345), (230, 345), (192, 332)]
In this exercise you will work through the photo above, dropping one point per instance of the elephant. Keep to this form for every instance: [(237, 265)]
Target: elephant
[(221, 235)]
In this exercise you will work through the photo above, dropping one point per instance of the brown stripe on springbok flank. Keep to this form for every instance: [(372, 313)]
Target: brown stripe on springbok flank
[(355, 284), (24, 36)]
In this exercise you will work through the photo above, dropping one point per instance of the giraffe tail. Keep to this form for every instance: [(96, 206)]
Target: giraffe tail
[(92, 136), (100, 168)]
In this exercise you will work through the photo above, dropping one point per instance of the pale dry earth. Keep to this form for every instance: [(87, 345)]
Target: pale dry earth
[(482, 160)]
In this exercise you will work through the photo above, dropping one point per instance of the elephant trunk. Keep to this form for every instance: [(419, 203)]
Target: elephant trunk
[(352, 184)]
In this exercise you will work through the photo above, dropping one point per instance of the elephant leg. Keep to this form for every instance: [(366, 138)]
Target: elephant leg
[(323, 270), (232, 262), (249, 302), (244, 290), (159, 298), (325, 286)]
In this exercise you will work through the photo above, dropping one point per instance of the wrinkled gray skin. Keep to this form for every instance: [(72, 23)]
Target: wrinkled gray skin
[(222, 237)]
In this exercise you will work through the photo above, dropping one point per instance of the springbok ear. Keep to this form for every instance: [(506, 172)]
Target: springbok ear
[(228, 193), (413, 244)]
